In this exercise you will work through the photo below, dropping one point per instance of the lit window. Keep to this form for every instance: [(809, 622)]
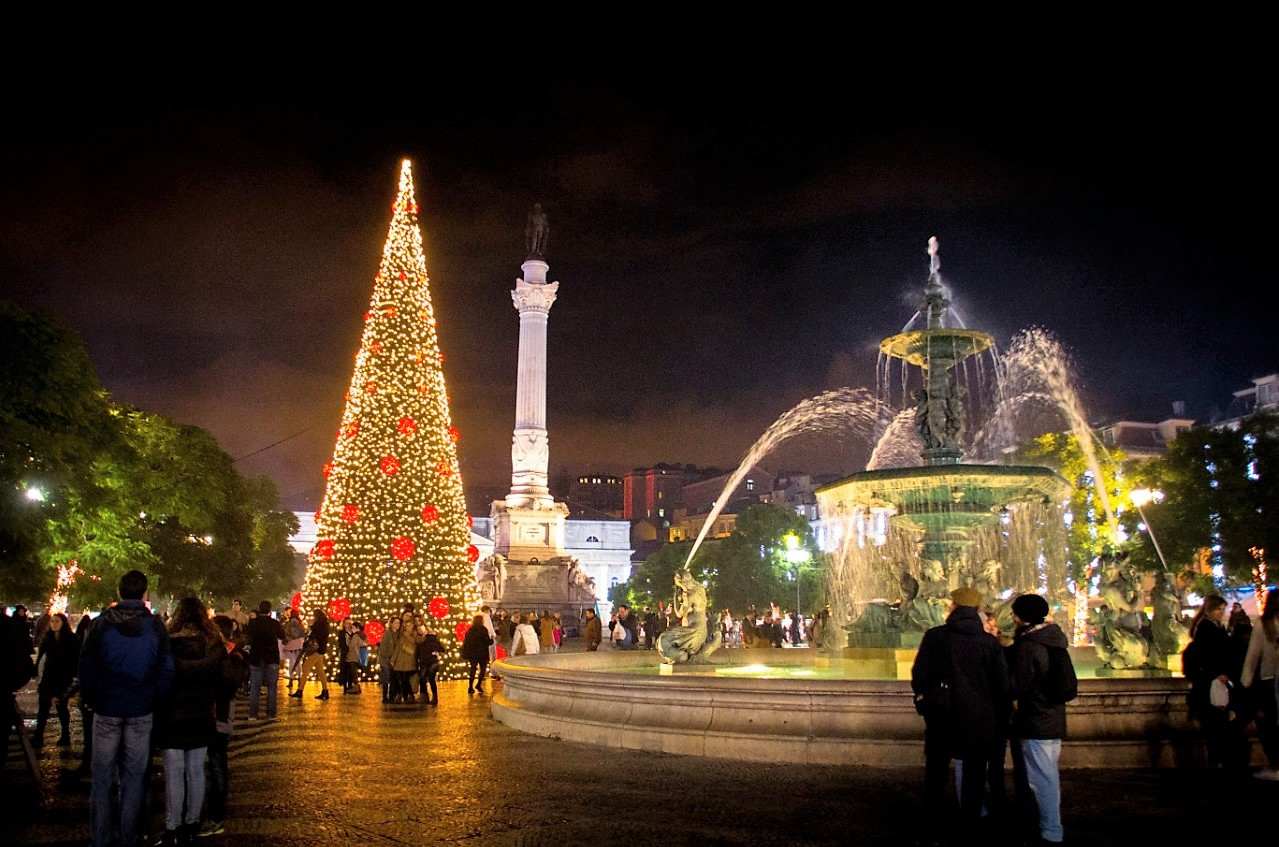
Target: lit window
[(750, 485)]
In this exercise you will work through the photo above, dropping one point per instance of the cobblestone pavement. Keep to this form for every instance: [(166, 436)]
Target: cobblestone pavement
[(353, 771)]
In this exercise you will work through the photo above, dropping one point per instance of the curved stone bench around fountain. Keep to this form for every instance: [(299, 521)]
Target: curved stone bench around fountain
[(606, 698)]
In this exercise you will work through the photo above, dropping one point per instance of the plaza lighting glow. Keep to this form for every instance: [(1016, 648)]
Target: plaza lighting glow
[(393, 527), (1144, 496), (35, 495)]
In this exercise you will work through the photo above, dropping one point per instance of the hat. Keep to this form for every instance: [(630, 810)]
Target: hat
[(966, 597), (1030, 608)]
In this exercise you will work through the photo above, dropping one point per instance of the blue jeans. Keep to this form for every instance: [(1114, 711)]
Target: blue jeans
[(121, 748), (183, 786), (1039, 763), (258, 674)]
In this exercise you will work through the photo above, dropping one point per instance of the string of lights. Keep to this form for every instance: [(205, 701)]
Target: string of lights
[(393, 527)]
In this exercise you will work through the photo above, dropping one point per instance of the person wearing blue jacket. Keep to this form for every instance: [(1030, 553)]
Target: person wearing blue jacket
[(125, 669)]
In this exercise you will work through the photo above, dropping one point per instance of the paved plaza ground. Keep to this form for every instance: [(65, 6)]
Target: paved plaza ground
[(352, 771)]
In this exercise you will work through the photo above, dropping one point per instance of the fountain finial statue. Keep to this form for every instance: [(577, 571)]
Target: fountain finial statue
[(934, 257), (688, 643)]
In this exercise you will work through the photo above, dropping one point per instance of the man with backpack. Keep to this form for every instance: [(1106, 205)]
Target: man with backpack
[(1042, 680)]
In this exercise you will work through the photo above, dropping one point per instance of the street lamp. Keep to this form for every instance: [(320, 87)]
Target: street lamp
[(797, 556), (1141, 497)]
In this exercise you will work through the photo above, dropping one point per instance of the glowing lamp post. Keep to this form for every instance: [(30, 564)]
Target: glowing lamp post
[(1141, 497), (797, 556)]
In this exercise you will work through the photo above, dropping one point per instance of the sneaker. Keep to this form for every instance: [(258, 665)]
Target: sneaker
[(210, 828), (1268, 774)]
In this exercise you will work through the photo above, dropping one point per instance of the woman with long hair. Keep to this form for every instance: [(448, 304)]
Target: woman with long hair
[(1259, 678), (59, 652), (185, 720), (317, 644), (1206, 662), (404, 660), (475, 649), (295, 637)]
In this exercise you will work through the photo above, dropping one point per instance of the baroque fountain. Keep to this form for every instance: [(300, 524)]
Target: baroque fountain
[(854, 705)]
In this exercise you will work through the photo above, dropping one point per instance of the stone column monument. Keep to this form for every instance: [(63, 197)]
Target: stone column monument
[(528, 524)]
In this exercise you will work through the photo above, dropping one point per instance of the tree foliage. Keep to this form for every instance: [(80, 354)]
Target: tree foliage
[(748, 568), (123, 488), (1220, 488)]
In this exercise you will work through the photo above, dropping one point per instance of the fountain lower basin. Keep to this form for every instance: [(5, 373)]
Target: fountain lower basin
[(610, 699)]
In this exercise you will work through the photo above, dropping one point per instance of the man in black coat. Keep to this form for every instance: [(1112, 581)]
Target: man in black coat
[(1038, 723), (960, 680), (264, 634)]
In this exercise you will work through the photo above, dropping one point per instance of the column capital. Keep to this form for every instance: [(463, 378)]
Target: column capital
[(530, 296)]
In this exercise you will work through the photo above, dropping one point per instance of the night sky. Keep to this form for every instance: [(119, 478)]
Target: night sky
[(726, 246)]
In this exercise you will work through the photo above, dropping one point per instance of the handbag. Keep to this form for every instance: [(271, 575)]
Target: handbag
[(310, 648), (1219, 694)]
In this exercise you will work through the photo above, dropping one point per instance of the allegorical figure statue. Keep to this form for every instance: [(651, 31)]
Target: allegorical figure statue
[(688, 642), (537, 232)]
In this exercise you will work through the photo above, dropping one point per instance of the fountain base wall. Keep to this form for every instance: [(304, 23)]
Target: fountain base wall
[(596, 698)]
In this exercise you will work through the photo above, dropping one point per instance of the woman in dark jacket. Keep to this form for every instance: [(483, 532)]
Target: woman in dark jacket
[(60, 652), (475, 649), (1209, 658), (430, 650), (184, 724)]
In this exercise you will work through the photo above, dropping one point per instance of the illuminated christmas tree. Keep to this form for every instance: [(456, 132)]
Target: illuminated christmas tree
[(393, 527)]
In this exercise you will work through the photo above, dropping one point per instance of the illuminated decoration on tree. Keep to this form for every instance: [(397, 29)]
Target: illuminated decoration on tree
[(373, 632), (461, 630), (472, 553), (409, 541), (339, 609), (295, 602), (1260, 576), (403, 549), (57, 604)]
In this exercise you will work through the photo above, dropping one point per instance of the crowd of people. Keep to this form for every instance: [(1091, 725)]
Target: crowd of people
[(149, 685)]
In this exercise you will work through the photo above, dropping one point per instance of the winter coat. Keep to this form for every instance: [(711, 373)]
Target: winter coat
[(546, 633), (430, 650), (234, 674), (1208, 656), (61, 654), (404, 658), (320, 635), (963, 655), (1034, 716), (593, 632), (1262, 660), (185, 718), (125, 666), (386, 647), (264, 634), (354, 643), (524, 642), (475, 646)]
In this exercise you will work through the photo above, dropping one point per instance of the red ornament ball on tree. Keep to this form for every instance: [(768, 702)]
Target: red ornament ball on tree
[(472, 553), (327, 470), (430, 514), (402, 549), (462, 628), (373, 632), (454, 435), (443, 469), (406, 426), (350, 429), (438, 607), (390, 465), (350, 513), (323, 549), (470, 521), (295, 602), (339, 608)]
